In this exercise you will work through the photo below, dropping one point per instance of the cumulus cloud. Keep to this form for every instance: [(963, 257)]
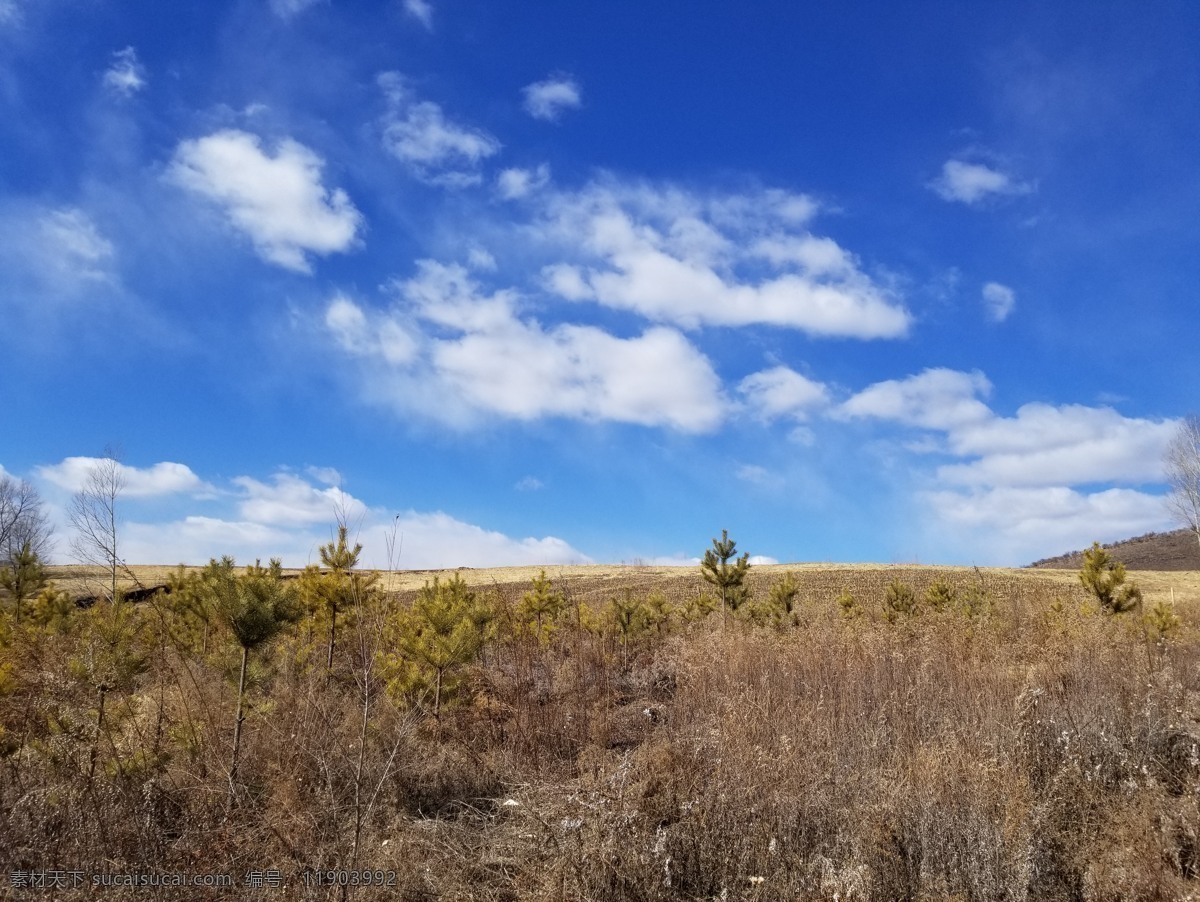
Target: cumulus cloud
[(999, 301), (550, 98), (515, 183), (290, 518), (935, 399), (288, 499), (126, 76), (437, 540), (472, 354), (782, 392), (973, 183), (196, 539), (1069, 445), (138, 482), (422, 11), (325, 475), (435, 149), (1041, 445), (277, 200), (693, 259), (1020, 525), (1049, 477), (762, 560)]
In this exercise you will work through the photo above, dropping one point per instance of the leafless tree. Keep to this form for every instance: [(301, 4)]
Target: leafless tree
[(1182, 464), (22, 520), (94, 516)]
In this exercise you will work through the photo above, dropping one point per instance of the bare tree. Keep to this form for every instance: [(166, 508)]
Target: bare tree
[(94, 516), (1182, 462), (22, 520)]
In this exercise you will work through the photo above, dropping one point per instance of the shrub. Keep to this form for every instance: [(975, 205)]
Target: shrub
[(899, 601), (1104, 577)]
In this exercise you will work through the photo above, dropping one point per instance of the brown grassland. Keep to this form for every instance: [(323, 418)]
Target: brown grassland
[(999, 739)]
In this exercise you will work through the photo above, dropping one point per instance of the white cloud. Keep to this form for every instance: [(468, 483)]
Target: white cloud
[(1020, 525), (197, 539), (285, 9), (290, 518), (72, 241), (512, 184), (437, 540), (972, 183), (935, 399), (139, 482), (762, 560), (422, 11), (277, 199), (126, 76), (478, 258), (435, 149), (288, 499), (524, 484), (10, 12), (325, 475), (387, 339), (550, 98), (728, 260), (1041, 445), (1067, 445), (782, 392), (54, 261), (478, 356), (999, 300), (1014, 489), (757, 475)]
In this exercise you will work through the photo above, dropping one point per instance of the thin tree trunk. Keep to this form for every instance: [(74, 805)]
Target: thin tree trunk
[(437, 695), (332, 637), (237, 727), (103, 690)]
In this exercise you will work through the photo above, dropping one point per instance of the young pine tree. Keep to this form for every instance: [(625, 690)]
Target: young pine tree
[(340, 588), (541, 606), (256, 605), (900, 601), (434, 640), (23, 577), (1104, 577), (628, 615), (728, 578)]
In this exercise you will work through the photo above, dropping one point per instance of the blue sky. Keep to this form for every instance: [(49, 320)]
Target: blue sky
[(535, 283)]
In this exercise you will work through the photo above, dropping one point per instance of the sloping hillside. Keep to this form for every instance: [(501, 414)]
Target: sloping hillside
[(1176, 550)]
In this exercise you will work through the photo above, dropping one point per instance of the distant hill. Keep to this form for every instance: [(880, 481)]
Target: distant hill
[(1177, 550)]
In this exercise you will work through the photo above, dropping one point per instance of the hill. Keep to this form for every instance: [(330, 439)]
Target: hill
[(1176, 550)]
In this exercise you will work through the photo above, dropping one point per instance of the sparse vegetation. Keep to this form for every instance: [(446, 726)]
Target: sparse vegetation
[(1009, 744)]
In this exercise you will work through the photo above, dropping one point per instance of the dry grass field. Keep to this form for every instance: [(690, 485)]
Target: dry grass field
[(597, 580), (607, 738)]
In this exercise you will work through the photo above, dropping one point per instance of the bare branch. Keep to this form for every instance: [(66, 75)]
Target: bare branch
[(22, 520), (1182, 465), (93, 514)]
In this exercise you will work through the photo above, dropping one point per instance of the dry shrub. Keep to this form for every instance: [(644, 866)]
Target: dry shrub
[(1021, 747)]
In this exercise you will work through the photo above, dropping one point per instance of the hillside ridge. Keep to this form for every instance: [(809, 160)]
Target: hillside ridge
[(1177, 550)]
